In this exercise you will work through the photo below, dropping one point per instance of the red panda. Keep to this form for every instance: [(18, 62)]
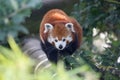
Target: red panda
[(59, 34)]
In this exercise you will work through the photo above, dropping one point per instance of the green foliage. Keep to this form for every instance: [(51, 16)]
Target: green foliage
[(12, 14), (16, 66), (13, 64), (102, 15)]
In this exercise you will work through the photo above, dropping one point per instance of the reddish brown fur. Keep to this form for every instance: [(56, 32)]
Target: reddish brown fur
[(60, 31), (58, 18)]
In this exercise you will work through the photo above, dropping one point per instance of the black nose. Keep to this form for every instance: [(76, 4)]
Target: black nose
[(60, 46)]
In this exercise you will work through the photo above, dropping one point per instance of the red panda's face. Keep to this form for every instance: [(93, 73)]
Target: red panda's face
[(59, 35)]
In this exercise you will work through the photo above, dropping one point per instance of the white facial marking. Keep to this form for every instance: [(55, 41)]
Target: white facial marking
[(50, 39), (48, 27), (70, 26), (69, 38), (60, 44)]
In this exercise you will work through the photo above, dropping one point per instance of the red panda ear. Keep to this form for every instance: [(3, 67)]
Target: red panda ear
[(48, 27), (70, 26)]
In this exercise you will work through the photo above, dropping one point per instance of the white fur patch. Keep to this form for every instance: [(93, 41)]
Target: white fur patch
[(69, 38), (70, 26), (50, 39), (60, 44), (48, 27)]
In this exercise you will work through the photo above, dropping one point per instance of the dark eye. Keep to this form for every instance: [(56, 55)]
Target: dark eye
[(69, 26), (56, 40), (63, 40)]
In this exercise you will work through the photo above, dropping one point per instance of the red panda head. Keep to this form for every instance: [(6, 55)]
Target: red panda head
[(59, 35)]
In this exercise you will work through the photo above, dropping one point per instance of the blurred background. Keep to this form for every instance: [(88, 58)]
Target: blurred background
[(100, 21)]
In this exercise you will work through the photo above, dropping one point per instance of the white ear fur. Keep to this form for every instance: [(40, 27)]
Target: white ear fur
[(70, 27), (48, 27)]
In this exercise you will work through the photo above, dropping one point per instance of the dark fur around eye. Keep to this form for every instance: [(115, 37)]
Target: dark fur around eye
[(64, 40), (69, 25), (56, 40)]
